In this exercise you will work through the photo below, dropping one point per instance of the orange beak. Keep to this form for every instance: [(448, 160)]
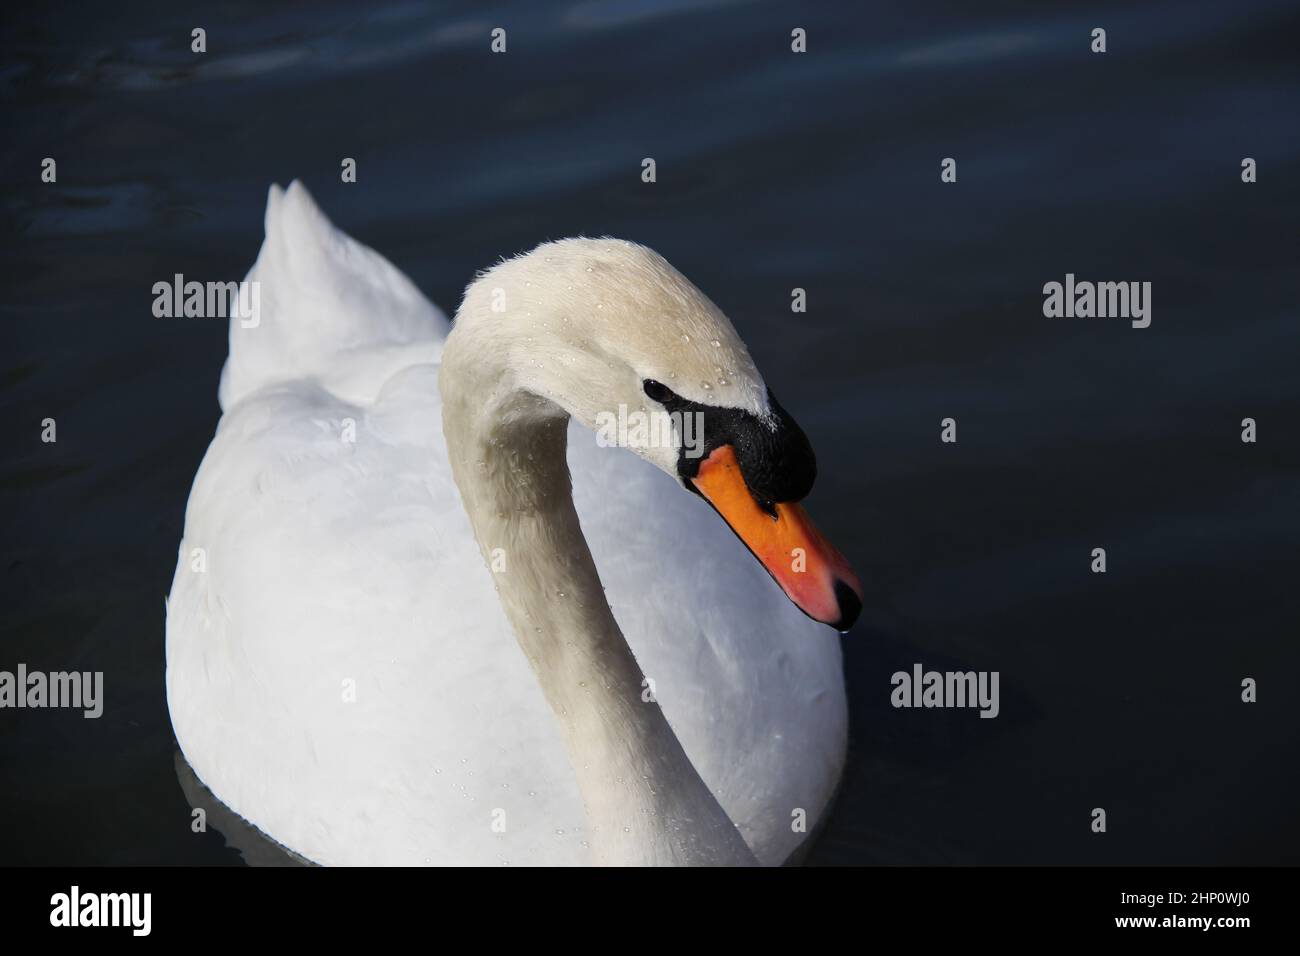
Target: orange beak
[(809, 570)]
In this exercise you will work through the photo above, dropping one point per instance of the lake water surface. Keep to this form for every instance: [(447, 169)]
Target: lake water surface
[(775, 171)]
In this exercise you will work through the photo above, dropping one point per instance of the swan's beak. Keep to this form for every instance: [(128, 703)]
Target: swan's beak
[(807, 567)]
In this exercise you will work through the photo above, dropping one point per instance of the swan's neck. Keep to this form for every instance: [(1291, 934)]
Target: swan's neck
[(645, 802)]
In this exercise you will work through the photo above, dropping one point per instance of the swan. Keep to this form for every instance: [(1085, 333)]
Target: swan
[(385, 518)]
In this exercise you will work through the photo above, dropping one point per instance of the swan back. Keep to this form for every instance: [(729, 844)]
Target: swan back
[(329, 309)]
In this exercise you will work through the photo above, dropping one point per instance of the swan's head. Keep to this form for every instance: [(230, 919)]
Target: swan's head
[(612, 334)]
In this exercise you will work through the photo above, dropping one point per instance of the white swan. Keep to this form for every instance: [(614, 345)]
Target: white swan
[(344, 673)]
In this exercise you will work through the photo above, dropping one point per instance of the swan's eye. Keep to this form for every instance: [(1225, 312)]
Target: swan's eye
[(658, 391)]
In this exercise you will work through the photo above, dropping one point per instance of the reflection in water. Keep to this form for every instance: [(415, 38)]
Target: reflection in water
[(253, 845)]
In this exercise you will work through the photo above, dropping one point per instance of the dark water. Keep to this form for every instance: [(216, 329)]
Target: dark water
[(775, 170)]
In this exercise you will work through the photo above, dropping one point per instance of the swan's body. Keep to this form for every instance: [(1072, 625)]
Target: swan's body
[(341, 672)]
